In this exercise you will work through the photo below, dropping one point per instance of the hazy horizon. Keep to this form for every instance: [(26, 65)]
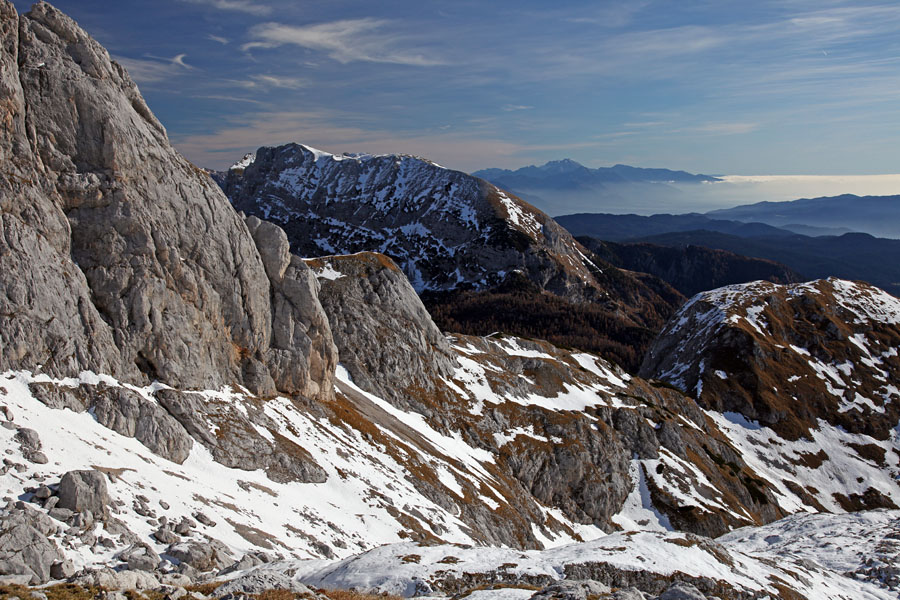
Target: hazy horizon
[(734, 190)]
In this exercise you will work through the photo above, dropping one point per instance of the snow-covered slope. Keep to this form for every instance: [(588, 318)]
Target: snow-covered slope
[(803, 378), (795, 558)]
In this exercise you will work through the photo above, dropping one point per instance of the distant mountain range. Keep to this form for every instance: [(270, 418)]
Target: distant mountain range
[(877, 215), (851, 255), (568, 174), (562, 186), (858, 256), (616, 228)]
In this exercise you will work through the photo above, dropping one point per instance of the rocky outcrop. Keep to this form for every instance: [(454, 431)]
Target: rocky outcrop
[(130, 260), (788, 356), (299, 324), (386, 339), (26, 552), (131, 263)]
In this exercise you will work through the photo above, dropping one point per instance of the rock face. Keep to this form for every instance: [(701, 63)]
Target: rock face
[(131, 261), (386, 339), (25, 548), (444, 228)]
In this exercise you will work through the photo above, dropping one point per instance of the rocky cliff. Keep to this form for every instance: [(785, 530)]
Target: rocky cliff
[(132, 262)]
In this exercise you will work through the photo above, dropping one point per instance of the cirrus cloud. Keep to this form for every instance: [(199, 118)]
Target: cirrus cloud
[(345, 41)]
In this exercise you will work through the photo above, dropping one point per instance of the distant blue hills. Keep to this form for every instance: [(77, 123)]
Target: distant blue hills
[(568, 174)]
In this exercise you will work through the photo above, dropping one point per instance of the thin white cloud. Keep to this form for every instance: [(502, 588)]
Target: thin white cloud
[(225, 98), (152, 70), (217, 38), (720, 128), (345, 41), (278, 81), (271, 81), (245, 6), (325, 129), (179, 60), (516, 107)]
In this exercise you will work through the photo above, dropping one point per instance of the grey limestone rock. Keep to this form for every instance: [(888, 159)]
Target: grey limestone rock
[(130, 260), (30, 443), (61, 514), (26, 549), (209, 555), (385, 337), (572, 590), (248, 561), (298, 321), (166, 536), (28, 439), (84, 490), (128, 413), (62, 569), (140, 557), (682, 591), (257, 582), (628, 594)]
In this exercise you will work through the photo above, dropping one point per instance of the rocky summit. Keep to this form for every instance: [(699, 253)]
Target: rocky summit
[(186, 400), (444, 227)]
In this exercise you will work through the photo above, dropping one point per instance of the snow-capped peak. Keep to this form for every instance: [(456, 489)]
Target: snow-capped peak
[(245, 162)]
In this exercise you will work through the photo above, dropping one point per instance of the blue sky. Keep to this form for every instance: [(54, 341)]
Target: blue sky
[(712, 86)]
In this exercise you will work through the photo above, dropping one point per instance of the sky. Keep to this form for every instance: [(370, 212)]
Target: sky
[(707, 86)]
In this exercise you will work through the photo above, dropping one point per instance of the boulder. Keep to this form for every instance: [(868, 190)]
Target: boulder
[(257, 582), (208, 555), (84, 490), (26, 549), (682, 591), (572, 590)]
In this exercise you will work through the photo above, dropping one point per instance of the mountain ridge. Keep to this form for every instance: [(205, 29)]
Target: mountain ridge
[(875, 215), (175, 408)]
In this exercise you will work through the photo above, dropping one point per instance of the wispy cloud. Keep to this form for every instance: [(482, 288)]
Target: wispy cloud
[(225, 98), (245, 6), (345, 41), (327, 130), (515, 107), (273, 81), (719, 128), (153, 69), (217, 38)]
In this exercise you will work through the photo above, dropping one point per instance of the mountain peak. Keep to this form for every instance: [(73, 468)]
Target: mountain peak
[(565, 165)]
